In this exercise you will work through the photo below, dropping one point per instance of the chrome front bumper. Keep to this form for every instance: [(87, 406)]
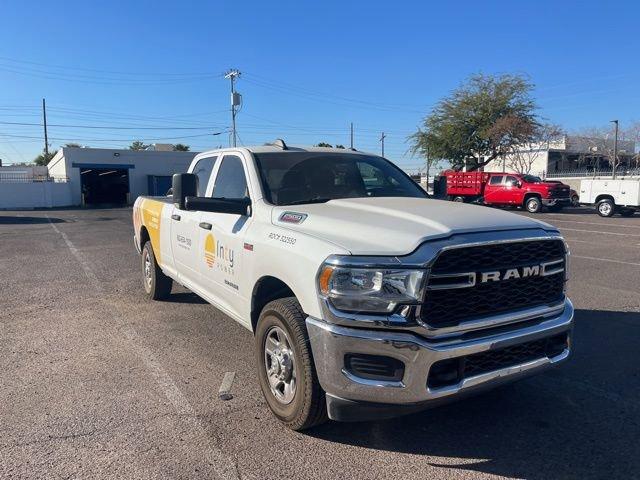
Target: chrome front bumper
[(330, 343)]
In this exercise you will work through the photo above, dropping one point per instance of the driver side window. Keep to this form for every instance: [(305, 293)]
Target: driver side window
[(512, 181), (374, 177)]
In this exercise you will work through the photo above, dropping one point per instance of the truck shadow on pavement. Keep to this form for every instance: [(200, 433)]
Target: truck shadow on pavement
[(184, 297), (580, 420)]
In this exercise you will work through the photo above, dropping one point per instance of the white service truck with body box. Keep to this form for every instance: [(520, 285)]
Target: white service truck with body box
[(367, 299), (611, 196)]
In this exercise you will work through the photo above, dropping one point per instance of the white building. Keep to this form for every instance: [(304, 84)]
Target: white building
[(570, 154), (110, 176)]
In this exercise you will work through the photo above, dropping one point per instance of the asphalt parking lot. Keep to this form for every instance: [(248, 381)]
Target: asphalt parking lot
[(98, 382)]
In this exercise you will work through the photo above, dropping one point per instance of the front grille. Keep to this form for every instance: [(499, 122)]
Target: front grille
[(451, 371), (448, 307)]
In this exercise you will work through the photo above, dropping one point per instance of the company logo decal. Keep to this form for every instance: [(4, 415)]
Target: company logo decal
[(218, 255), (293, 217)]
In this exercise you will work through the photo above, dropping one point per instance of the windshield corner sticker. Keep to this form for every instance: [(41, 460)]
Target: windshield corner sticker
[(292, 217), (218, 255)]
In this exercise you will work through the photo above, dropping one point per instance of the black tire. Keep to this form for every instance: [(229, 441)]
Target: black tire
[(627, 212), (606, 208), (458, 199), (533, 204), (156, 284), (307, 407), (575, 201)]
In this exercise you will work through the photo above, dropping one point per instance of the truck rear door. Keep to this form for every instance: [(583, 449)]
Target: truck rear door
[(185, 233), (493, 190)]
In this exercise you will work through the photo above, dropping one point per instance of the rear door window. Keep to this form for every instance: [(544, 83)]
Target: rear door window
[(497, 180), (203, 170)]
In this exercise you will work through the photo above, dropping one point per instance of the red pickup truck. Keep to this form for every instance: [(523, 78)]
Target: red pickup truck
[(502, 189)]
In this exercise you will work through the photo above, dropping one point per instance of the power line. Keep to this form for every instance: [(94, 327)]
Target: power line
[(107, 127)]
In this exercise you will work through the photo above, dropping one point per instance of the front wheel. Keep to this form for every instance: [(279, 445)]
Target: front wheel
[(533, 205), (286, 371), (156, 284), (606, 208)]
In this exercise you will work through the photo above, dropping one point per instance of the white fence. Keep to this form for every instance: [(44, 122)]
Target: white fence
[(29, 195)]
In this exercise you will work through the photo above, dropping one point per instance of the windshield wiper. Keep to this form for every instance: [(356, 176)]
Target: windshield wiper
[(309, 200)]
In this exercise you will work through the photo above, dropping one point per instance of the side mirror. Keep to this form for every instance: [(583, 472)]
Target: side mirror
[(235, 206), (184, 185)]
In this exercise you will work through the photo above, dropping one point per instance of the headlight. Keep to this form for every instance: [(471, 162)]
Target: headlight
[(370, 289)]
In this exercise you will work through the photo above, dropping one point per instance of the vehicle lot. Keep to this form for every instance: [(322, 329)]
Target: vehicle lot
[(98, 382)]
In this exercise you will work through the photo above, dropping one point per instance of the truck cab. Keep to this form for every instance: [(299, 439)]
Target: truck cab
[(366, 298)]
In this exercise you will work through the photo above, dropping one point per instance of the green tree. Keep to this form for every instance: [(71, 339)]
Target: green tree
[(340, 146), (479, 122), (137, 145), (72, 145), (324, 144), (179, 147), (44, 159)]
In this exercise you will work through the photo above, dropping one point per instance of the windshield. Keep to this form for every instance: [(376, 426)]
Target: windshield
[(531, 179), (312, 177)]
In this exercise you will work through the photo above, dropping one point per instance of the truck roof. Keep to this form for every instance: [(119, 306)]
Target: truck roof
[(280, 147)]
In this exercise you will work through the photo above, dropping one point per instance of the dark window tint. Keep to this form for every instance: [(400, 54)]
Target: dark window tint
[(203, 170), (497, 180), (291, 178), (230, 181)]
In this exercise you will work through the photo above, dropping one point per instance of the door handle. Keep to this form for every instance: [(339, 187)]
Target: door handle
[(205, 225), (175, 217)]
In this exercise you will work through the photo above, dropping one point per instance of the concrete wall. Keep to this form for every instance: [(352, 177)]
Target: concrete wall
[(35, 195)]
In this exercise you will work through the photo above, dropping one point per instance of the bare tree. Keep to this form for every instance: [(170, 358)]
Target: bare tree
[(521, 157)]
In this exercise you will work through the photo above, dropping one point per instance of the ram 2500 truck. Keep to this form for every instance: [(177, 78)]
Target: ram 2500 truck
[(507, 189), (366, 298)]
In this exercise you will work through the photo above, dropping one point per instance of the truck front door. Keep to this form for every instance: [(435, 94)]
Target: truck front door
[(493, 190), (222, 239), (185, 232), (512, 192)]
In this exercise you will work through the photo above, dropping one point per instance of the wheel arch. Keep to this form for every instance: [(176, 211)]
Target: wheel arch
[(605, 196), (266, 289), (143, 237)]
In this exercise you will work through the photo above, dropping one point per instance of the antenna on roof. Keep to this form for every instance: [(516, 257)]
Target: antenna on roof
[(278, 142)]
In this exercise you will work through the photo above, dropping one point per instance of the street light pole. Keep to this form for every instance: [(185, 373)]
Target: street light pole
[(615, 149), (382, 137), (235, 102)]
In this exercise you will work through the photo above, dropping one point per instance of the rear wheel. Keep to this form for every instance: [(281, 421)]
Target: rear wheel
[(458, 199), (156, 284), (533, 204), (606, 208), (286, 371)]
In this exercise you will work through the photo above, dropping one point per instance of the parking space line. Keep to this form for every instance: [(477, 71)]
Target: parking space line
[(598, 223), (603, 233), (223, 465), (606, 260)]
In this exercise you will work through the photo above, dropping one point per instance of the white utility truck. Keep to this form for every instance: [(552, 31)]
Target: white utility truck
[(611, 196), (366, 298)]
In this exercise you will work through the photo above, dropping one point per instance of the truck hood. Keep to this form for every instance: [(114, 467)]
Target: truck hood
[(394, 226)]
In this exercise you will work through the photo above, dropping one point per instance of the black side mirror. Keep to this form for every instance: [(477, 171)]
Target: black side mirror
[(184, 185), (235, 206)]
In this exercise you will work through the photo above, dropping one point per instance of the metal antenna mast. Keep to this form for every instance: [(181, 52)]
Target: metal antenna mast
[(236, 100)]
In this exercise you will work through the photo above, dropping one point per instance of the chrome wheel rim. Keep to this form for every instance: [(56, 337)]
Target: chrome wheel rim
[(605, 208), (532, 205), (280, 365), (147, 270)]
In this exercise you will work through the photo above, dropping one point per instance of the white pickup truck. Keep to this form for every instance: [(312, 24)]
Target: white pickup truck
[(611, 196), (366, 298)]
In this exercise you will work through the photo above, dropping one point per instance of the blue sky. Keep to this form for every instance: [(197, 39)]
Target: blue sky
[(309, 68)]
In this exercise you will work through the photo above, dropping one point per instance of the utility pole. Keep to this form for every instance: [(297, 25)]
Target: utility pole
[(615, 149), (351, 135), (46, 139), (235, 102), (382, 137)]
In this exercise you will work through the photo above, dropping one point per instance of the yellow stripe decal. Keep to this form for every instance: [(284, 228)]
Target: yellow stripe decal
[(151, 214)]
